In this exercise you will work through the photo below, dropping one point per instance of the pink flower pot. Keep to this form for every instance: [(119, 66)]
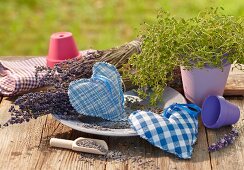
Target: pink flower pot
[(61, 47), (201, 83)]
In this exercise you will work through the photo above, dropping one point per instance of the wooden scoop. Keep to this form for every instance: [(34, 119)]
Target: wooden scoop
[(74, 145)]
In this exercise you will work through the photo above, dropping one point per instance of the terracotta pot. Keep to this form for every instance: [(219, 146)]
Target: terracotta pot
[(61, 47), (201, 83)]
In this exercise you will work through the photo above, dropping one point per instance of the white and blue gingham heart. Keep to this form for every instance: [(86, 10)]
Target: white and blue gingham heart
[(99, 96), (175, 131)]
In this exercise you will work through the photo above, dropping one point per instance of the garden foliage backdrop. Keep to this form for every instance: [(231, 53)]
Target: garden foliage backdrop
[(26, 25)]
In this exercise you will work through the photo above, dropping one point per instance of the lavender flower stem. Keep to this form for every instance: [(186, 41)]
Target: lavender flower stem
[(224, 141)]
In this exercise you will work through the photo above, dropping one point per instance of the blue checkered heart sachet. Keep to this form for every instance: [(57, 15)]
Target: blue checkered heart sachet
[(174, 131), (101, 95)]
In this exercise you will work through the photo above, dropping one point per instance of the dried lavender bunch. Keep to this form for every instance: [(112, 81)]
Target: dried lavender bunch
[(63, 73), (225, 141), (33, 105), (55, 99)]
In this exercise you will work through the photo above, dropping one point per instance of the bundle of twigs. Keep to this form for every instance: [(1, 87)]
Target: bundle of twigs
[(120, 55), (62, 74)]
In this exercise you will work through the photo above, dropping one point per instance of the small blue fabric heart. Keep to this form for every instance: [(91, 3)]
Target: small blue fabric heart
[(175, 131), (99, 96)]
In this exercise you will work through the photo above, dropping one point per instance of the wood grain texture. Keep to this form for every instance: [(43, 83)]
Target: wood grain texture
[(231, 157), (118, 144), (26, 146), (56, 158), (200, 158), (19, 143), (235, 82)]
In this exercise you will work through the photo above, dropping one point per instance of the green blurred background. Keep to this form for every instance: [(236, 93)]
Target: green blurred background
[(26, 25)]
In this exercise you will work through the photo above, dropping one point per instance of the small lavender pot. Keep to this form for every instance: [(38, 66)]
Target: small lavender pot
[(200, 83), (218, 112)]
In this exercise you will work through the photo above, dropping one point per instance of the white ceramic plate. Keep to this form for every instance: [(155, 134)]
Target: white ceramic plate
[(169, 96)]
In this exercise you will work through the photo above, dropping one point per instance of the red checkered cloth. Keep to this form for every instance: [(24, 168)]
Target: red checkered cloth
[(19, 76)]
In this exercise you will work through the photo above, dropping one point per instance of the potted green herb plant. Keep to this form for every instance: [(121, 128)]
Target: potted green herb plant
[(204, 46), (212, 41)]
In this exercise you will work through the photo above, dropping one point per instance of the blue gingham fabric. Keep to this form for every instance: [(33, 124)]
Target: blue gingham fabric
[(174, 131), (101, 95)]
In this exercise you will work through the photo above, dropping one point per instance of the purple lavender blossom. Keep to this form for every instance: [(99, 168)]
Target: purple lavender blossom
[(225, 141)]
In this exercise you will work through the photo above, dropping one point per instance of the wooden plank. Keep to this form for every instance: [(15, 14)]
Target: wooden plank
[(18, 142), (235, 82), (114, 143), (56, 158), (132, 147), (154, 158), (231, 157), (200, 158), (27, 145)]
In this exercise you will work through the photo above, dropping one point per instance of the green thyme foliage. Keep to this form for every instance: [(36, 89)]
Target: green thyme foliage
[(212, 38), (209, 38)]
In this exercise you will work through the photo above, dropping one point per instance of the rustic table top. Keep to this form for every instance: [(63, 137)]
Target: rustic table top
[(26, 146)]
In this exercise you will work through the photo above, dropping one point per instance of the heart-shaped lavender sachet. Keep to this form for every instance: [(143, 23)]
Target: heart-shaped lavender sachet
[(175, 131), (99, 96)]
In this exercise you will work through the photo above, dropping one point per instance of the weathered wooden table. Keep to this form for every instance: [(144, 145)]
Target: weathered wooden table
[(26, 146)]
